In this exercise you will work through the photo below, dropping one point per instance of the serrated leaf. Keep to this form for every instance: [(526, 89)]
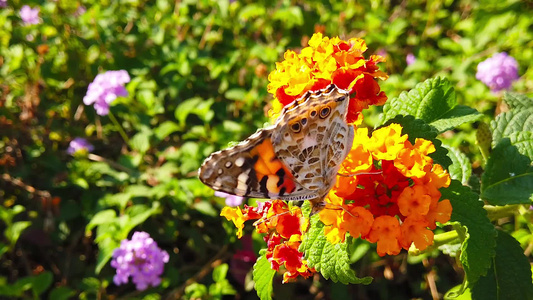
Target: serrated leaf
[(510, 274), (517, 101), (460, 169), (510, 122), (432, 101), (508, 177), (416, 128), (263, 276), (331, 260), (478, 248), (458, 115)]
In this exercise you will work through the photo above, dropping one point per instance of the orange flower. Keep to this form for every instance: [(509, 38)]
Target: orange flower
[(414, 200), (414, 229), (387, 142), (398, 184), (328, 61), (386, 232)]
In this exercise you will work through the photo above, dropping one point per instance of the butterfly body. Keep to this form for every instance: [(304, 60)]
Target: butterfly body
[(296, 159)]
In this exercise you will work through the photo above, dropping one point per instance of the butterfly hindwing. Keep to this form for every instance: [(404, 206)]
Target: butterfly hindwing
[(251, 169)]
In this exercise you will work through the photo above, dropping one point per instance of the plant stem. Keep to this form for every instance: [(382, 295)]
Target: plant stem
[(119, 128)]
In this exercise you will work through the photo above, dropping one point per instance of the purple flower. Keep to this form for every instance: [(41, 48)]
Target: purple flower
[(498, 72), (231, 200), (79, 144), (105, 88), (141, 259), (30, 15), (410, 59), (3, 3), (80, 11)]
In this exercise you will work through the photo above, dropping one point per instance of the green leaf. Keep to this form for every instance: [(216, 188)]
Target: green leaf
[(196, 106), (14, 231), (478, 247), (102, 217), (460, 169), (106, 248), (510, 122), (458, 115), (61, 293), (165, 129), (432, 101), (331, 260), (416, 128), (510, 274), (141, 141), (263, 276), (517, 101), (508, 177), (220, 272), (41, 282)]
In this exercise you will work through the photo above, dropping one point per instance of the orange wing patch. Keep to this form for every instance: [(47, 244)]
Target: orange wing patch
[(272, 175)]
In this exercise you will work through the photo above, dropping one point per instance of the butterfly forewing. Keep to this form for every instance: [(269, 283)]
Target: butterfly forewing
[(250, 169)]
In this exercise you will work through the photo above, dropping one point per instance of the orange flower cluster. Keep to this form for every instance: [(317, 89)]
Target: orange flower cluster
[(394, 201), (284, 227), (328, 61)]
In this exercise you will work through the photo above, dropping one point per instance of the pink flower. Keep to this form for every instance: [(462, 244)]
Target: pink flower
[(498, 72), (30, 15), (105, 88), (410, 59), (79, 145), (231, 200), (141, 259)]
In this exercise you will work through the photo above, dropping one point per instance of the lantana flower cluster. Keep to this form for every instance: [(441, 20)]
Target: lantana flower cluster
[(105, 88), (498, 72), (284, 227), (323, 62), (387, 191), (141, 259), (395, 201)]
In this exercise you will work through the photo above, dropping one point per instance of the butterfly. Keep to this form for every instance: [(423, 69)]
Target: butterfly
[(295, 159)]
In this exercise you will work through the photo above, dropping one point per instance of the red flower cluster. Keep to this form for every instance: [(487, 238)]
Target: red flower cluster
[(324, 62), (283, 227)]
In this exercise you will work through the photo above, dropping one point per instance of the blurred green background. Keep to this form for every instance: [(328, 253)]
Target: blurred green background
[(199, 74)]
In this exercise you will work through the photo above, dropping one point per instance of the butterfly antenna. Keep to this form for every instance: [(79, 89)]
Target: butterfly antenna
[(362, 173), (341, 207), (260, 221)]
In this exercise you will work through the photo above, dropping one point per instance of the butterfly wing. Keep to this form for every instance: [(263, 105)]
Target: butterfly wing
[(313, 138), (252, 169)]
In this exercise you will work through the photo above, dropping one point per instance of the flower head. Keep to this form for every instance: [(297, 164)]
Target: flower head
[(410, 59), (326, 61), (396, 197), (30, 15), (3, 3), (141, 259), (79, 145), (105, 88), (231, 200), (498, 72)]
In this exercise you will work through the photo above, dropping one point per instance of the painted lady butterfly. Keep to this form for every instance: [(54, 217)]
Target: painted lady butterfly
[(296, 159)]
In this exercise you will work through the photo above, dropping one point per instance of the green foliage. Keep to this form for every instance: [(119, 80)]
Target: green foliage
[(263, 275), (331, 260), (432, 101), (510, 274), (478, 245)]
